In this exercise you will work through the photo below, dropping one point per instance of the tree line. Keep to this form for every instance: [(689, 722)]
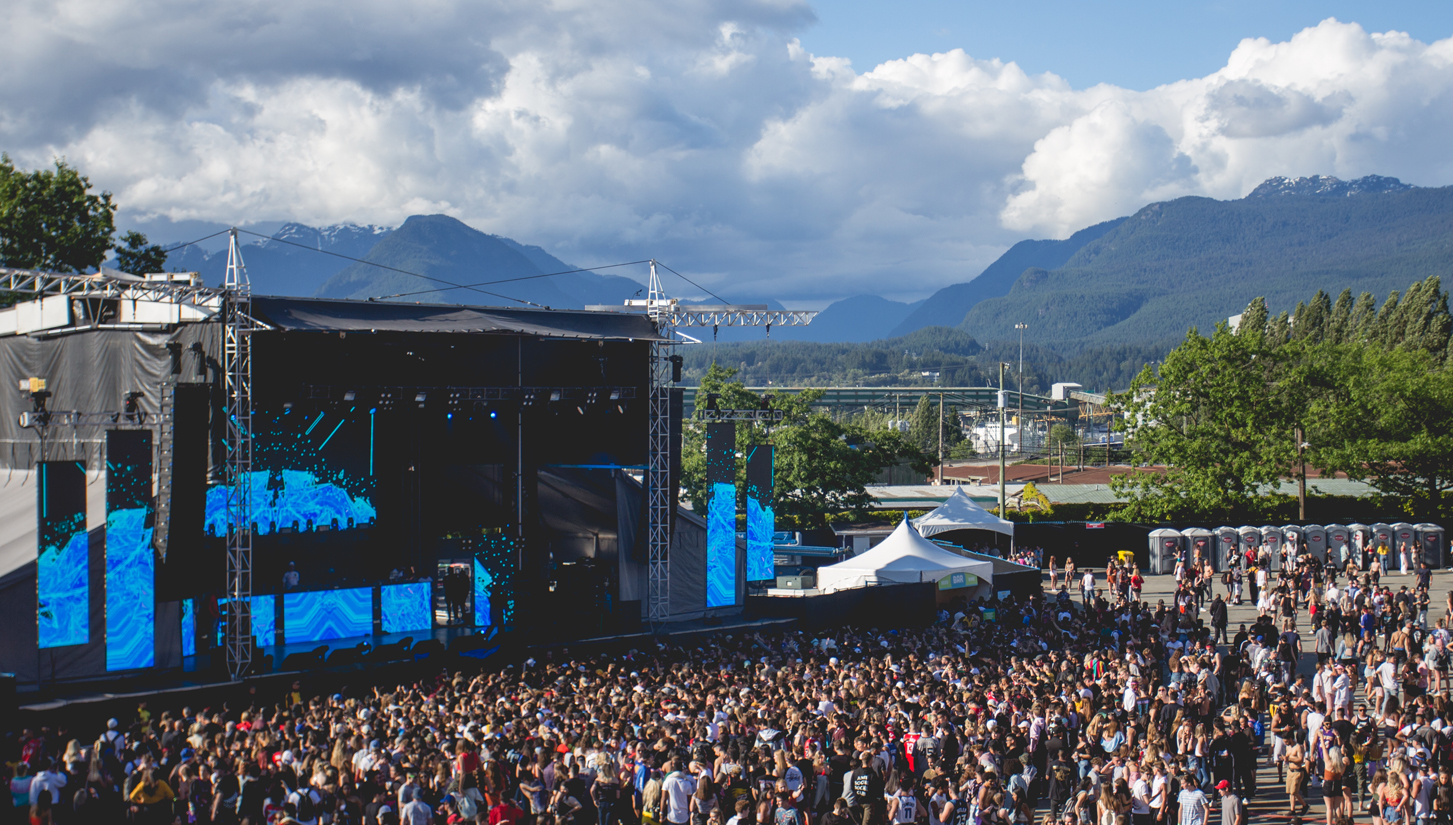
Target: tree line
[(51, 220), (1342, 386)]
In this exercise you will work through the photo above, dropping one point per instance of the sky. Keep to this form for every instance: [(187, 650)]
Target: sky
[(771, 149)]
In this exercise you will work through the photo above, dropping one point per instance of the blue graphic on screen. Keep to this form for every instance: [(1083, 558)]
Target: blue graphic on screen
[(721, 546), (313, 469), (130, 559), (406, 607), (264, 621), (130, 591), (63, 562), (482, 582), (760, 521), (327, 614), (189, 628), (283, 498)]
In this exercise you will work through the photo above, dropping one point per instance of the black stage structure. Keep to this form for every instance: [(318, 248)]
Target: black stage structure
[(401, 468)]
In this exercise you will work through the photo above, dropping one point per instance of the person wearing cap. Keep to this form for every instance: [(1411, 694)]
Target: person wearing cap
[(1233, 810)]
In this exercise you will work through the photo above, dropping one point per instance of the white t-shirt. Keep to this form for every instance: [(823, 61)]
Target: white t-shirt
[(1387, 674), (1088, 582), (1140, 796)]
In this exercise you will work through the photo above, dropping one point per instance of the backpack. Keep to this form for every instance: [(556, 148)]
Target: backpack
[(307, 811)]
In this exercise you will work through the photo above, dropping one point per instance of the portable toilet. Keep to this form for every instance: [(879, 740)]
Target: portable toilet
[(1228, 548), (1339, 543), (1405, 535), (1271, 537), (1202, 541), (1382, 537), (1291, 539), (1432, 542), (1250, 540), (1166, 546), (1361, 543), (1316, 541)]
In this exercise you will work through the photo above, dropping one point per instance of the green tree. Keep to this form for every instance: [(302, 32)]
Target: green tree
[(822, 466), (1390, 422), (1215, 416), (50, 219), (136, 256)]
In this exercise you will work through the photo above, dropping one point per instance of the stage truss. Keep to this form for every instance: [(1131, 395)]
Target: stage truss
[(668, 314)]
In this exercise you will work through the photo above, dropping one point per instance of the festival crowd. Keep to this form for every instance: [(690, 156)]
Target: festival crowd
[(1105, 710)]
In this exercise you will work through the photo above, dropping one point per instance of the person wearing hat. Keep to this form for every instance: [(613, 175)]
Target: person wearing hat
[(1233, 810)]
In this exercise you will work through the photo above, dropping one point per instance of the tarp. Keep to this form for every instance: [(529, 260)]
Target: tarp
[(322, 315), (905, 556), (960, 512)]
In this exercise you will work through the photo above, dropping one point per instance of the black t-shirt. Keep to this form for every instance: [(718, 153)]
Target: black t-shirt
[(1344, 730)]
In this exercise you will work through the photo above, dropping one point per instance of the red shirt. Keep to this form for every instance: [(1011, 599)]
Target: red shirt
[(505, 815)]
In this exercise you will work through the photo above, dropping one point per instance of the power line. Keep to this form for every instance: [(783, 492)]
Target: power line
[(693, 283), (394, 269), (197, 241), (524, 278)]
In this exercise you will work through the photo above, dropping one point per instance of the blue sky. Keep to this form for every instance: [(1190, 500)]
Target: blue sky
[(764, 147), (1137, 45)]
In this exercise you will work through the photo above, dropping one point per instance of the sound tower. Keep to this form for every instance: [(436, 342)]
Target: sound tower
[(185, 570)]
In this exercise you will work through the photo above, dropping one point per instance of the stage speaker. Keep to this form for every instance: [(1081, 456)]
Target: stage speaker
[(183, 570), (8, 706)]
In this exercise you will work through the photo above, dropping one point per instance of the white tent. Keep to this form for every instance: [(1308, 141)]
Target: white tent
[(905, 556), (960, 512)]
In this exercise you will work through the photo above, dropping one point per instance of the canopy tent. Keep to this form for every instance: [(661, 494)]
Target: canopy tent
[(960, 512), (905, 556)]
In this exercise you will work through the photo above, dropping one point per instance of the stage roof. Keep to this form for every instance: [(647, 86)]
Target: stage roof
[(326, 315)]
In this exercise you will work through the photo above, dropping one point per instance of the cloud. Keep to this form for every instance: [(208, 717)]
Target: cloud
[(696, 131)]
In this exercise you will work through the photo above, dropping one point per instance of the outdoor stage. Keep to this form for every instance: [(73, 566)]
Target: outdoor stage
[(396, 453)]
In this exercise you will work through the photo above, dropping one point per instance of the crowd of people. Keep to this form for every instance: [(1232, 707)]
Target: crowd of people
[(1106, 711)]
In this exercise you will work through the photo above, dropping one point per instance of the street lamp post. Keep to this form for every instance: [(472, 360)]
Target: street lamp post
[(1019, 419), (1002, 497)]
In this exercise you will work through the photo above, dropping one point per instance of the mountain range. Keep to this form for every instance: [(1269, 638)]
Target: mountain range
[(1146, 277)]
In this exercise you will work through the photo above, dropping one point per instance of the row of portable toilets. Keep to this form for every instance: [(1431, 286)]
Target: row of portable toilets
[(1340, 541)]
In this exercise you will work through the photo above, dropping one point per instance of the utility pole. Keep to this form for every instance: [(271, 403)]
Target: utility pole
[(1003, 499), (1301, 476), (940, 438)]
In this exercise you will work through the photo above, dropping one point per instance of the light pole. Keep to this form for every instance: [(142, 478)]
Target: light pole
[(1002, 497), (1019, 419)]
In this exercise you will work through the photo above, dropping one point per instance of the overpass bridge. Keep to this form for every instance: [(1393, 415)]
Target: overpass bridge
[(978, 399)]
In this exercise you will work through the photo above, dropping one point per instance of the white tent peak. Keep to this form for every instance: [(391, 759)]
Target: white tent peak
[(960, 512), (904, 556)]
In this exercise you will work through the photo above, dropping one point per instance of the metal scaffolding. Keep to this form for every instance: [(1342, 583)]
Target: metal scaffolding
[(668, 314), (237, 329)]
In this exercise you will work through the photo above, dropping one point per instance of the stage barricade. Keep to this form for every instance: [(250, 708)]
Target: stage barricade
[(883, 605)]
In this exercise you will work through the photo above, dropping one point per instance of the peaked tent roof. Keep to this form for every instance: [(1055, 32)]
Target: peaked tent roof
[(905, 556), (960, 512)]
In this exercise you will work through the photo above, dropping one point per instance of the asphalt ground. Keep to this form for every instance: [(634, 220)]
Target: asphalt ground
[(1271, 803)]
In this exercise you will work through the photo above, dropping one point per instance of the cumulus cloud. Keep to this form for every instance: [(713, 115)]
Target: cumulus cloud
[(697, 131)]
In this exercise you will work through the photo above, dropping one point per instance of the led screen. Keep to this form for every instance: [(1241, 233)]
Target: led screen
[(63, 563), (189, 628), (760, 521), (721, 518), (130, 560), (311, 470), (264, 621), (482, 582), (406, 607), (327, 614), (721, 546)]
